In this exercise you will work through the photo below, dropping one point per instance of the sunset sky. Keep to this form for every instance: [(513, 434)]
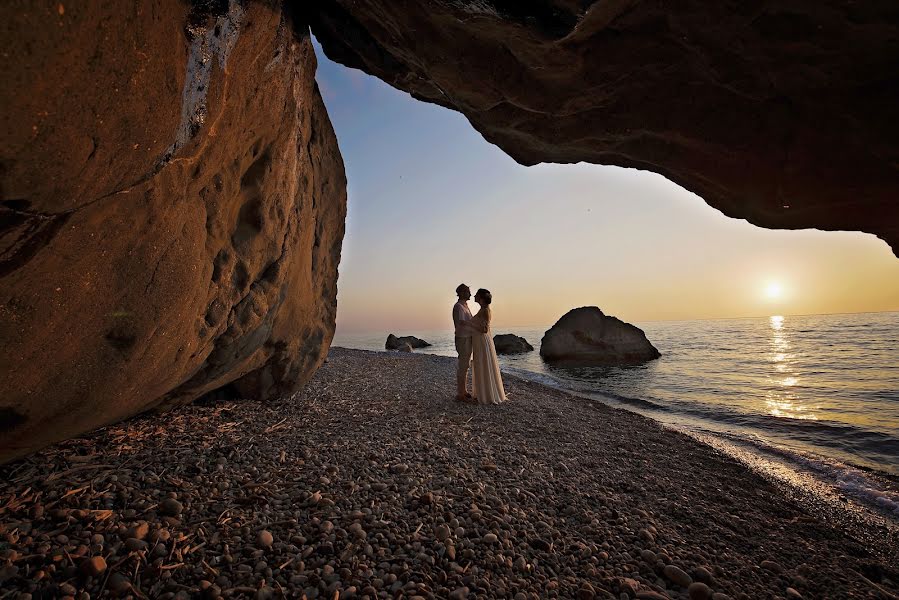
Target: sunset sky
[(431, 204)]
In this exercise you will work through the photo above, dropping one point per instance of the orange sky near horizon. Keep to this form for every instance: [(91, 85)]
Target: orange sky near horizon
[(432, 204), (555, 240)]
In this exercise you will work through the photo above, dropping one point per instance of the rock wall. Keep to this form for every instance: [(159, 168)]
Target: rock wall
[(782, 113), (173, 205)]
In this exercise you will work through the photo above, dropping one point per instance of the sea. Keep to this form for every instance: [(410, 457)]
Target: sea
[(812, 401)]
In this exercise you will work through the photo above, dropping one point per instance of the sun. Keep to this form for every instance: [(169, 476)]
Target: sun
[(773, 290)]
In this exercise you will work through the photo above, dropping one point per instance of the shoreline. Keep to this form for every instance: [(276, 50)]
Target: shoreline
[(856, 509), (814, 402), (372, 482)]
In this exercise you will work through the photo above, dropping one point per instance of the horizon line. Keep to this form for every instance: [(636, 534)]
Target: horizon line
[(861, 312)]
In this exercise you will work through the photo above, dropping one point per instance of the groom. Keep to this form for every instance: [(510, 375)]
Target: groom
[(463, 341)]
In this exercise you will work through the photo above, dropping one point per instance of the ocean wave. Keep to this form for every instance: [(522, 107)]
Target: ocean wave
[(533, 376), (868, 487), (636, 402), (587, 389), (837, 435), (840, 436)]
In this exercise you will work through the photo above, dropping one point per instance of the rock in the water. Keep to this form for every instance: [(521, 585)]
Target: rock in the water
[(728, 104), (172, 214), (397, 343), (585, 336), (508, 343)]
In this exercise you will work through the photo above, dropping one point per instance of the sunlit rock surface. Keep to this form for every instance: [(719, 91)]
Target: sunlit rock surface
[(585, 336), (173, 205), (781, 113)]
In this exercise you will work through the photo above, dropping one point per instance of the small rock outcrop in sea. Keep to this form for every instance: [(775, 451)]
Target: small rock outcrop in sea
[(509, 343), (398, 343), (585, 336)]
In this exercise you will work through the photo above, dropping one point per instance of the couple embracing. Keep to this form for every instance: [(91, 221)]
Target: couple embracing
[(474, 343)]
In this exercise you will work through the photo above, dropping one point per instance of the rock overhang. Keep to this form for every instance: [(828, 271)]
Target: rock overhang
[(780, 114)]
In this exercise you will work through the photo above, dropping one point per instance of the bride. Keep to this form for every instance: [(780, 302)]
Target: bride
[(487, 383)]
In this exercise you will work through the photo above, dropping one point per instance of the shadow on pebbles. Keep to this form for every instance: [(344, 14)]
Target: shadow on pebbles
[(373, 483)]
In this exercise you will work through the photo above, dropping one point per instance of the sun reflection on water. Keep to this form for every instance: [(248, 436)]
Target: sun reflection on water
[(780, 400)]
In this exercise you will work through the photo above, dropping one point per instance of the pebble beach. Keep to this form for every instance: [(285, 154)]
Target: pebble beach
[(371, 482)]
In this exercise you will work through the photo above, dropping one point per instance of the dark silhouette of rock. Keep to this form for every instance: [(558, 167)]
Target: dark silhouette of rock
[(585, 336), (173, 205), (779, 113), (508, 343), (397, 343)]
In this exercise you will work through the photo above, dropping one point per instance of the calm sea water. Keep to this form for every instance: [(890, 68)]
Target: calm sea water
[(811, 398)]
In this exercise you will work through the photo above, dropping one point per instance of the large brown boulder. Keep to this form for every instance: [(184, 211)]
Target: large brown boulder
[(173, 205), (585, 336), (781, 113)]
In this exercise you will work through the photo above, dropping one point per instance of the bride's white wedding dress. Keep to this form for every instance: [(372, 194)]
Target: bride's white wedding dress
[(487, 382)]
